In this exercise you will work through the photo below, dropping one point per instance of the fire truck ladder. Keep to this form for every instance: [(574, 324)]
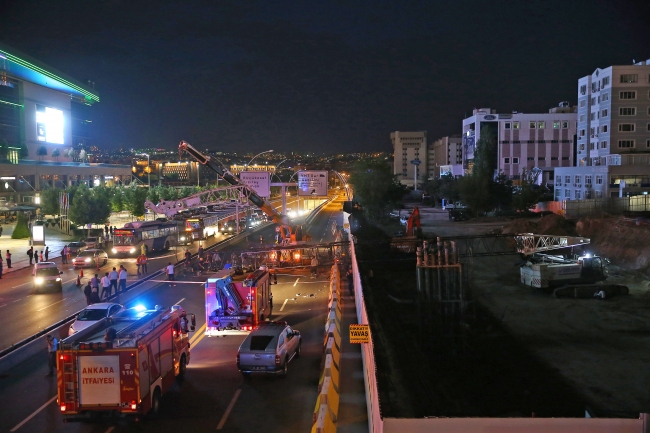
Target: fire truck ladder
[(69, 376), (232, 294), (529, 243), (221, 195)]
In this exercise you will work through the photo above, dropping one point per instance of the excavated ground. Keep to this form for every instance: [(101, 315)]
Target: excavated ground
[(524, 351)]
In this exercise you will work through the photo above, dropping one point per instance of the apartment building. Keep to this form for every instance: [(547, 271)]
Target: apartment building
[(409, 147), (445, 155), (542, 140), (613, 143)]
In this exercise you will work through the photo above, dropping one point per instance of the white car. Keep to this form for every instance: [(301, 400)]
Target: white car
[(456, 205), (93, 314)]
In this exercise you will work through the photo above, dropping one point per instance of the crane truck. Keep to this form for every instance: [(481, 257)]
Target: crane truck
[(236, 305), (286, 231), (546, 271), (123, 364)]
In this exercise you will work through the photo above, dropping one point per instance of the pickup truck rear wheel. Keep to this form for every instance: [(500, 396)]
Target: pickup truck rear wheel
[(298, 350), (182, 367), (285, 367)]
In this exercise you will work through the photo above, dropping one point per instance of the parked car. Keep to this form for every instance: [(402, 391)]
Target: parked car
[(460, 214), (92, 242), (87, 258), (454, 205), (47, 275), (93, 314), (76, 247), (269, 349)]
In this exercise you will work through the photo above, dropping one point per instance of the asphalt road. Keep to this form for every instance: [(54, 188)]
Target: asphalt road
[(24, 312), (214, 395)]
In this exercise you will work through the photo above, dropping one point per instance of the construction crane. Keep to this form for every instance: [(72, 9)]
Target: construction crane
[(529, 243), (286, 231)]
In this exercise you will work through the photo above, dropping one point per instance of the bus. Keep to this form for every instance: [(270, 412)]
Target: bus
[(154, 235), (202, 226)]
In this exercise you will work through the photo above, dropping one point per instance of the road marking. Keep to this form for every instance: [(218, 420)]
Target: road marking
[(20, 285), (198, 336), (230, 406), (48, 305), (33, 414), (297, 279), (3, 305), (110, 429), (178, 303), (18, 300), (283, 304)]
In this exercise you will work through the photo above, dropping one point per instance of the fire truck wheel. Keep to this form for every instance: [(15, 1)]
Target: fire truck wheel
[(155, 402), (182, 368), (285, 367), (298, 350)]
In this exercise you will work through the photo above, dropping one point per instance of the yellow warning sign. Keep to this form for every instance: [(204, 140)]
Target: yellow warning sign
[(346, 225), (359, 334)]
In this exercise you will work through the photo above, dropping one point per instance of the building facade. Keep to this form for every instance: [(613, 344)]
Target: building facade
[(44, 115), (408, 147), (445, 155), (613, 143), (524, 141)]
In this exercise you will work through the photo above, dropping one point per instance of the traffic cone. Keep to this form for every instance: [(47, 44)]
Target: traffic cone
[(78, 280), (81, 273)]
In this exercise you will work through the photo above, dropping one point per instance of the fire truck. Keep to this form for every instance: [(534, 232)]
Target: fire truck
[(123, 364), (236, 304)]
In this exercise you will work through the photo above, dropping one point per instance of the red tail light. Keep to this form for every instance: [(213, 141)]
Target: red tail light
[(238, 359), (277, 360), (63, 407), (133, 405)]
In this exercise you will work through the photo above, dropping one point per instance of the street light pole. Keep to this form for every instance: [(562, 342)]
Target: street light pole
[(261, 153)]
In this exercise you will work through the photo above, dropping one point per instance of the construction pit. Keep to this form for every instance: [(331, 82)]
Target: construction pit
[(519, 351)]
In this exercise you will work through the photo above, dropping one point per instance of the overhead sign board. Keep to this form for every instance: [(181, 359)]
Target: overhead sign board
[(312, 183), (259, 181), (359, 334), (416, 162)]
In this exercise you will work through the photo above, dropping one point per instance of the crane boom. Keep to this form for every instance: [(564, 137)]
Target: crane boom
[(529, 243), (227, 175)]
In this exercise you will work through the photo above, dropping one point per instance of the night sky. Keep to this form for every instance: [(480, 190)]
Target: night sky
[(326, 76)]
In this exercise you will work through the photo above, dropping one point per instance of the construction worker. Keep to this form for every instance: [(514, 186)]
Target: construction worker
[(138, 263), (143, 263)]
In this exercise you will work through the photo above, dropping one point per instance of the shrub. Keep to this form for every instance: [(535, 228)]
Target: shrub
[(21, 231)]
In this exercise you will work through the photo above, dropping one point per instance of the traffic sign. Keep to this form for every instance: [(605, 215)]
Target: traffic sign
[(359, 334), (416, 162)]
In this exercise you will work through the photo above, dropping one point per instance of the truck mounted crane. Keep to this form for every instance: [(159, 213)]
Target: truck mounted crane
[(286, 230)]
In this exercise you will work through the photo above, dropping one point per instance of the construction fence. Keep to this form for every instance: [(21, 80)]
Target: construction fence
[(574, 209)]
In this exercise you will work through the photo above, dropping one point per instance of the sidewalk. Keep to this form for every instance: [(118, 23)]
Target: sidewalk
[(353, 413), (18, 247)]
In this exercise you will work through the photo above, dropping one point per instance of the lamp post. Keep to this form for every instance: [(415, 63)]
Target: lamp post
[(261, 153), (275, 170)]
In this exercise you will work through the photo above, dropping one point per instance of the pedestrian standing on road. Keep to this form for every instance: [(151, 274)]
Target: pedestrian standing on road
[(63, 253), (270, 304), (94, 283), (47, 253), (94, 296), (52, 345), (138, 263), (35, 256), (106, 230), (144, 264), (68, 255), (170, 272), (30, 254), (41, 256), (0, 267), (88, 291), (97, 261), (106, 287), (113, 276), (122, 275), (200, 253), (0, 230), (314, 267), (8, 257)]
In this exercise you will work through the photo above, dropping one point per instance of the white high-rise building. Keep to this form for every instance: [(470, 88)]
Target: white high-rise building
[(613, 153), (409, 147)]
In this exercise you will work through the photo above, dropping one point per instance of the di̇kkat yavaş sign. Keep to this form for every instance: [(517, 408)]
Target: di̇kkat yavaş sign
[(359, 334), (312, 183), (259, 181)]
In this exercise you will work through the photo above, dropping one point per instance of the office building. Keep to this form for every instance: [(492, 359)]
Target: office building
[(410, 147)]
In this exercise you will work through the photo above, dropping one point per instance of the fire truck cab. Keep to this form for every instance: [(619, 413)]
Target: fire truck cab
[(236, 304), (123, 364)]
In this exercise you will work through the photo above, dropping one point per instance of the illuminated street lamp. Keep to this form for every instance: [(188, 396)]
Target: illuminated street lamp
[(261, 153)]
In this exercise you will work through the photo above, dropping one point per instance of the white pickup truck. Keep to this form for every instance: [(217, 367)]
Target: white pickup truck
[(454, 205)]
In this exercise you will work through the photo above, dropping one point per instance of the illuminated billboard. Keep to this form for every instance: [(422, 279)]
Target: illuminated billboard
[(49, 124), (259, 181), (312, 183)]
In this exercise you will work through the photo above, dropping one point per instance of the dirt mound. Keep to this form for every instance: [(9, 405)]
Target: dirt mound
[(548, 225), (626, 245)]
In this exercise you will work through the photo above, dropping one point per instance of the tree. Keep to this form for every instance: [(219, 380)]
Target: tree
[(477, 189), (528, 193), (50, 201), (134, 198), (375, 188), (41, 152), (56, 153), (446, 186), (153, 195), (117, 200), (21, 231), (89, 207)]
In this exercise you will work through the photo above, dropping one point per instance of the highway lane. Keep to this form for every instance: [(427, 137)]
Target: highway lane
[(17, 299), (214, 395)]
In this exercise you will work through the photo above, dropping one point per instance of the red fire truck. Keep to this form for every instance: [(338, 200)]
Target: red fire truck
[(125, 363), (234, 304)]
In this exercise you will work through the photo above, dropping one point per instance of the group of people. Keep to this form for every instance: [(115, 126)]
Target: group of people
[(111, 283), (36, 256), (205, 261)]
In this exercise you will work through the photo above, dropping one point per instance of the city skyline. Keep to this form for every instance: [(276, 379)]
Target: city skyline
[(319, 78)]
